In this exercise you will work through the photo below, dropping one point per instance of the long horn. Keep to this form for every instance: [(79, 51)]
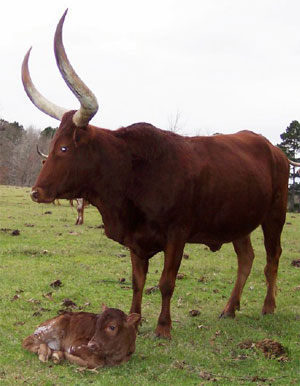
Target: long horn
[(34, 95), (40, 153), (88, 101)]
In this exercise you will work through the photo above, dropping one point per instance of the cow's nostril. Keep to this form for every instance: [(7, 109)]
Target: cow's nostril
[(34, 195)]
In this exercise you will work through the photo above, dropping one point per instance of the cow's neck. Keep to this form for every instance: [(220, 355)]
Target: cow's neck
[(107, 190)]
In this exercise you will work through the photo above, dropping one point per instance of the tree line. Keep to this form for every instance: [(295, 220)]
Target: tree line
[(20, 163)]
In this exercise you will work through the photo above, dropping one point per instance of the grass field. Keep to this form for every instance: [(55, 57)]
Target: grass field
[(93, 269)]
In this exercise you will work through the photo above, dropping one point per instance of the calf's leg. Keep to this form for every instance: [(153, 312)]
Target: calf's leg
[(44, 352), (83, 356), (31, 344)]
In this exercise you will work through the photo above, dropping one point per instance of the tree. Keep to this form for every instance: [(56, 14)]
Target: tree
[(290, 145), (26, 161), (48, 132), (11, 135)]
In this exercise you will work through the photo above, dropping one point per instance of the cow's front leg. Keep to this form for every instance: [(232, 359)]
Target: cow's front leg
[(173, 256), (139, 273)]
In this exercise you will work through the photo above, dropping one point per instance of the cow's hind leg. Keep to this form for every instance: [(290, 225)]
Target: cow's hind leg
[(245, 255), (272, 231)]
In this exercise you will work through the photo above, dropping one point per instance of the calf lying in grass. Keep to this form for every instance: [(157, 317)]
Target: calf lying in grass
[(86, 339)]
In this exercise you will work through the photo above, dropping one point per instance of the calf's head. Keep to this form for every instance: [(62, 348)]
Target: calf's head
[(62, 173), (115, 335)]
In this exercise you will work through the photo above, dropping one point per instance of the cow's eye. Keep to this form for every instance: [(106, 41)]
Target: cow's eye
[(64, 149), (112, 327)]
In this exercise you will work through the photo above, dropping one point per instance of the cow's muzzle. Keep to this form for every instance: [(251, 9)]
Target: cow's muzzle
[(34, 195), (38, 195)]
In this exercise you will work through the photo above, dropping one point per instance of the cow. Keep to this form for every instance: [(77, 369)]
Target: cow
[(86, 339), (157, 190), (80, 202)]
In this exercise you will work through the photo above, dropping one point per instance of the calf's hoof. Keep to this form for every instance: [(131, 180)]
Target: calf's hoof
[(57, 357), (44, 353)]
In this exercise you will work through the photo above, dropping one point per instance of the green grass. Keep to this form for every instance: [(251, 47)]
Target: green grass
[(51, 247)]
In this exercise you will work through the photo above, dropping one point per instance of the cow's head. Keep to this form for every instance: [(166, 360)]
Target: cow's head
[(66, 166)]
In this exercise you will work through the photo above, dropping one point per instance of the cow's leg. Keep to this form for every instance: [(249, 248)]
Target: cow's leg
[(139, 273), (80, 211), (173, 256), (272, 231), (245, 255)]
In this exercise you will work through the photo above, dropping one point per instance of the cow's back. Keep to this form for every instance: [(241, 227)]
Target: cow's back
[(243, 176), (216, 188)]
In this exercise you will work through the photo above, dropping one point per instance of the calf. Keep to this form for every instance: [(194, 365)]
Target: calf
[(86, 339)]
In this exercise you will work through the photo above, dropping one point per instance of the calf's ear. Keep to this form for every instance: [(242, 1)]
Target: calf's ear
[(133, 318), (104, 307)]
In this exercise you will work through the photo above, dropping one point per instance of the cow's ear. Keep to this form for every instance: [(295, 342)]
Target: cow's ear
[(80, 136), (104, 307), (133, 318)]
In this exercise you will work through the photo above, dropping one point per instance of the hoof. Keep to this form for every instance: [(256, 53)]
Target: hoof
[(44, 353), (268, 308), (56, 357), (227, 314), (163, 332), (266, 311), (43, 358)]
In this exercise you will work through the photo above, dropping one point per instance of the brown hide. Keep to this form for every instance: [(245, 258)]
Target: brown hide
[(86, 339), (157, 191), (148, 183)]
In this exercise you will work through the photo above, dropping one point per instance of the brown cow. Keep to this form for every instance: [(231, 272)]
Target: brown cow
[(157, 191), (86, 339)]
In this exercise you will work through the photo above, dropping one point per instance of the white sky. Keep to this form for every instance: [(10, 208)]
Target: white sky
[(223, 65)]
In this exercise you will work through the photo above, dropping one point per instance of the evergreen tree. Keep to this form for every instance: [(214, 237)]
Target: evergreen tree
[(290, 145), (48, 132)]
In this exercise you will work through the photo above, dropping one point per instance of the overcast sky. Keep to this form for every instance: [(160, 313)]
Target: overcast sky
[(220, 65)]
